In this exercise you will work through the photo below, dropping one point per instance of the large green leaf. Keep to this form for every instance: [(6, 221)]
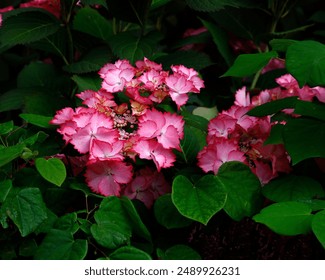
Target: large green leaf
[(90, 21), (304, 138), (129, 253), (286, 218), (60, 245), (27, 27), (52, 170), (307, 68), (243, 190), (199, 201), (27, 210), (248, 64), (292, 187), (167, 214), (318, 227), (281, 45), (310, 109)]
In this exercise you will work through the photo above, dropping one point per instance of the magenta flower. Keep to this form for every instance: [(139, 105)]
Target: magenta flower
[(152, 150), (217, 153), (106, 177), (166, 127), (101, 150), (115, 76)]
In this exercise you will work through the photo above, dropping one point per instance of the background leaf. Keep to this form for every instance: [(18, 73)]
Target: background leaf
[(292, 187), (90, 21), (60, 245), (27, 27)]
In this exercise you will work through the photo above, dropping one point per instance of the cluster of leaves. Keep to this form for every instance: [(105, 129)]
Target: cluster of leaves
[(48, 213)]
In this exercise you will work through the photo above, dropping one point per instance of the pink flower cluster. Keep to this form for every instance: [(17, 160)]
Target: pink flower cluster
[(235, 136), (114, 134)]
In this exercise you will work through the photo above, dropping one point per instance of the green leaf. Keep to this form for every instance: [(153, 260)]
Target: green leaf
[(138, 227), (286, 218), (180, 252), (195, 121), (67, 222), (27, 210), (127, 46), (292, 187), (87, 82), (37, 74), (6, 127), (273, 107), (275, 136), (52, 170), (304, 138), (167, 214), (13, 99), (116, 221), (220, 39), (5, 188), (129, 253), (90, 21), (192, 143), (92, 61), (8, 154), (248, 64), (60, 245), (27, 27), (281, 45), (110, 235), (38, 120), (318, 227), (243, 190), (310, 109), (314, 204), (309, 68), (199, 201)]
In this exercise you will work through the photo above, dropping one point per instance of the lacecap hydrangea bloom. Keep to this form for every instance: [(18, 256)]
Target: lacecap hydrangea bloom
[(235, 136), (114, 133)]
